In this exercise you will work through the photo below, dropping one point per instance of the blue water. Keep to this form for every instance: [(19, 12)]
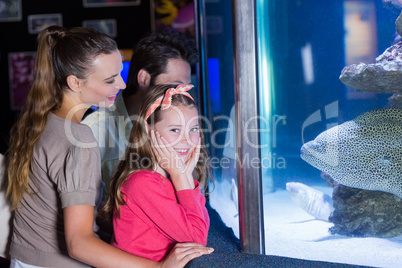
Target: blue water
[(310, 43)]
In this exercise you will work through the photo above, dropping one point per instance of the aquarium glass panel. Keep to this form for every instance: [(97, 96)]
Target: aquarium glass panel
[(221, 120), (329, 83), (333, 190)]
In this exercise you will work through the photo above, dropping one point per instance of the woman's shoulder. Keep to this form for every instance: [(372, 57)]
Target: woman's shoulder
[(74, 133), (61, 138)]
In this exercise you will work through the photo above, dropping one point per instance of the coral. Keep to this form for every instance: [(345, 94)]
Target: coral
[(364, 213)]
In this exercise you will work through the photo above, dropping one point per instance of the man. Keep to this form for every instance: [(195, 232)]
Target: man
[(160, 58)]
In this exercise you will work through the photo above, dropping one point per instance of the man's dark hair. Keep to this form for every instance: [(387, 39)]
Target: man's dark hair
[(152, 53)]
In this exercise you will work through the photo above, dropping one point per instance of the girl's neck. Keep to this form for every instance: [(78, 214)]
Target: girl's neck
[(71, 110), (161, 171)]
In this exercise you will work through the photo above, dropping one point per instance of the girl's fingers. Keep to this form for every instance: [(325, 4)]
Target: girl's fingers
[(166, 156), (159, 142), (197, 152), (166, 145), (163, 144), (194, 157), (156, 148)]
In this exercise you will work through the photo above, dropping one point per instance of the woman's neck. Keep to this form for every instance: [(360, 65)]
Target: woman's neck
[(71, 110)]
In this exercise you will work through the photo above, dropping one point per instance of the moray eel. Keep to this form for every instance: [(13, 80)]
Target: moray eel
[(364, 153), (314, 202)]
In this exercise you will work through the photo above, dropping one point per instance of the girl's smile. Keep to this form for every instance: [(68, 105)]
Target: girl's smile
[(179, 126), (182, 152)]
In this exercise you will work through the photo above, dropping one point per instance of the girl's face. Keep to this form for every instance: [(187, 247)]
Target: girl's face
[(104, 82), (179, 126)]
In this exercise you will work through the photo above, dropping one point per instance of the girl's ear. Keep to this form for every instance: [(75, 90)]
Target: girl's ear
[(147, 127), (74, 83), (144, 79)]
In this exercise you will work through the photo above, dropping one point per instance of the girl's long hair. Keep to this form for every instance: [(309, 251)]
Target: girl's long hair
[(140, 147), (60, 53)]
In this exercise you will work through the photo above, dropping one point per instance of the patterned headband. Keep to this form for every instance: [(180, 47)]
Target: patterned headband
[(165, 101)]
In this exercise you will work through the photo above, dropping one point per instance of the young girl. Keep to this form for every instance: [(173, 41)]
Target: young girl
[(54, 179), (154, 200)]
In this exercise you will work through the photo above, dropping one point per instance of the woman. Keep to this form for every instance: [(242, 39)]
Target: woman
[(54, 171)]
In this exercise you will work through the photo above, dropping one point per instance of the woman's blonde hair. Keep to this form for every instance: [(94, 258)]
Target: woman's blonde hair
[(60, 53), (140, 146)]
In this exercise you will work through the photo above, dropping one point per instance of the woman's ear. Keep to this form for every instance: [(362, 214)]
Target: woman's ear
[(144, 79), (74, 83)]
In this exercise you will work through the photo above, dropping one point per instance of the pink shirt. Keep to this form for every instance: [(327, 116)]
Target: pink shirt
[(156, 217)]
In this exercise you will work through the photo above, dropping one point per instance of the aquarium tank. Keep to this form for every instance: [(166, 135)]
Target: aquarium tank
[(322, 169)]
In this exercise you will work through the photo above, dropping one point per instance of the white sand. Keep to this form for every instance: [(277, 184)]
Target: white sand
[(291, 232)]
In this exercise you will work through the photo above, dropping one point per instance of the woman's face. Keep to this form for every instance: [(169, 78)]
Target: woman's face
[(104, 82), (179, 126)]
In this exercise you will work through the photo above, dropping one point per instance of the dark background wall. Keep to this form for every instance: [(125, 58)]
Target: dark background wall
[(132, 23)]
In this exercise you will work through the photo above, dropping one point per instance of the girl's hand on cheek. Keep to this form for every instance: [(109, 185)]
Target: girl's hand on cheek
[(167, 158), (193, 159)]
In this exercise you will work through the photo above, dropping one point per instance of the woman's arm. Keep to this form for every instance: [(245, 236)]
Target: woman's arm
[(84, 246)]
